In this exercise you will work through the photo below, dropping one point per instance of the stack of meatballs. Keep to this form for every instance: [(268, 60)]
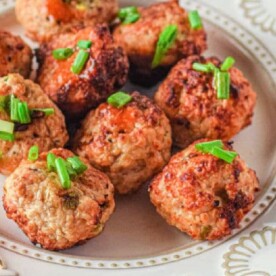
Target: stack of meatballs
[(87, 52)]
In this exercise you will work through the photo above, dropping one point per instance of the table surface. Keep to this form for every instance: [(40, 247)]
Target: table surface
[(208, 263)]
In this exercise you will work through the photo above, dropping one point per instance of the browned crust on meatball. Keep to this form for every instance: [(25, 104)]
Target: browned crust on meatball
[(190, 101), (203, 195), (129, 144), (139, 39), (46, 132), (54, 217), (44, 19), (105, 71), (15, 55)]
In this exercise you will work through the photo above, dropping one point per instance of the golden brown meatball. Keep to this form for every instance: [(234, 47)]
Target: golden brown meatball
[(54, 217), (105, 71), (43, 19), (202, 195), (15, 55), (190, 102), (46, 132), (129, 144), (139, 40)]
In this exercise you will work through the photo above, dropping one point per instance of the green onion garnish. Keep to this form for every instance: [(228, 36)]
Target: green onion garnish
[(62, 53), (77, 165), (195, 20), (227, 64), (166, 39), (6, 136), (6, 126), (119, 99), (63, 173), (3, 102), (33, 153), (131, 18), (47, 111), (51, 161), (227, 156), (70, 170), (128, 15), (207, 147), (84, 44), (80, 61), (24, 113), (216, 148), (223, 85), (66, 169), (14, 108), (206, 68)]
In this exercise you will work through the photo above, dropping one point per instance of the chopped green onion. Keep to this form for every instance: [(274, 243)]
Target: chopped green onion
[(119, 99), (223, 85), (216, 148), (6, 136), (3, 102), (212, 67), (24, 113), (123, 12), (14, 108), (227, 64), (51, 161), (166, 39), (70, 170), (33, 153), (128, 15), (77, 164), (5, 78), (80, 61), (6, 126), (62, 53), (84, 44), (207, 147), (46, 111), (206, 68), (63, 173), (195, 20), (131, 18), (227, 156)]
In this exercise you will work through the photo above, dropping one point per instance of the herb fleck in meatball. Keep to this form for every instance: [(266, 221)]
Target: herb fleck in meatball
[(130, 144), (202, 195), (190, 101), (46, 132), (139, 39), (104, 72), (44, 19), (54, 217), (15, 55)]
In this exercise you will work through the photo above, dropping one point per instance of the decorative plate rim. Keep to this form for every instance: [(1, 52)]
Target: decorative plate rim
[(240, 244), (255, 18), (256, 49)]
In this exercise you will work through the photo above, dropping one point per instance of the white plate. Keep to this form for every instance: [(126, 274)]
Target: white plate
[(136, 236)]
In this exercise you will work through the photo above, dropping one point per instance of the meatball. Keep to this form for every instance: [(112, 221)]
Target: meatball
[(190, 101), (105, 71), (15, 55), (202, 195), (130, 144), (44, 131), (139, 40), (44, 19), (54, 217)]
